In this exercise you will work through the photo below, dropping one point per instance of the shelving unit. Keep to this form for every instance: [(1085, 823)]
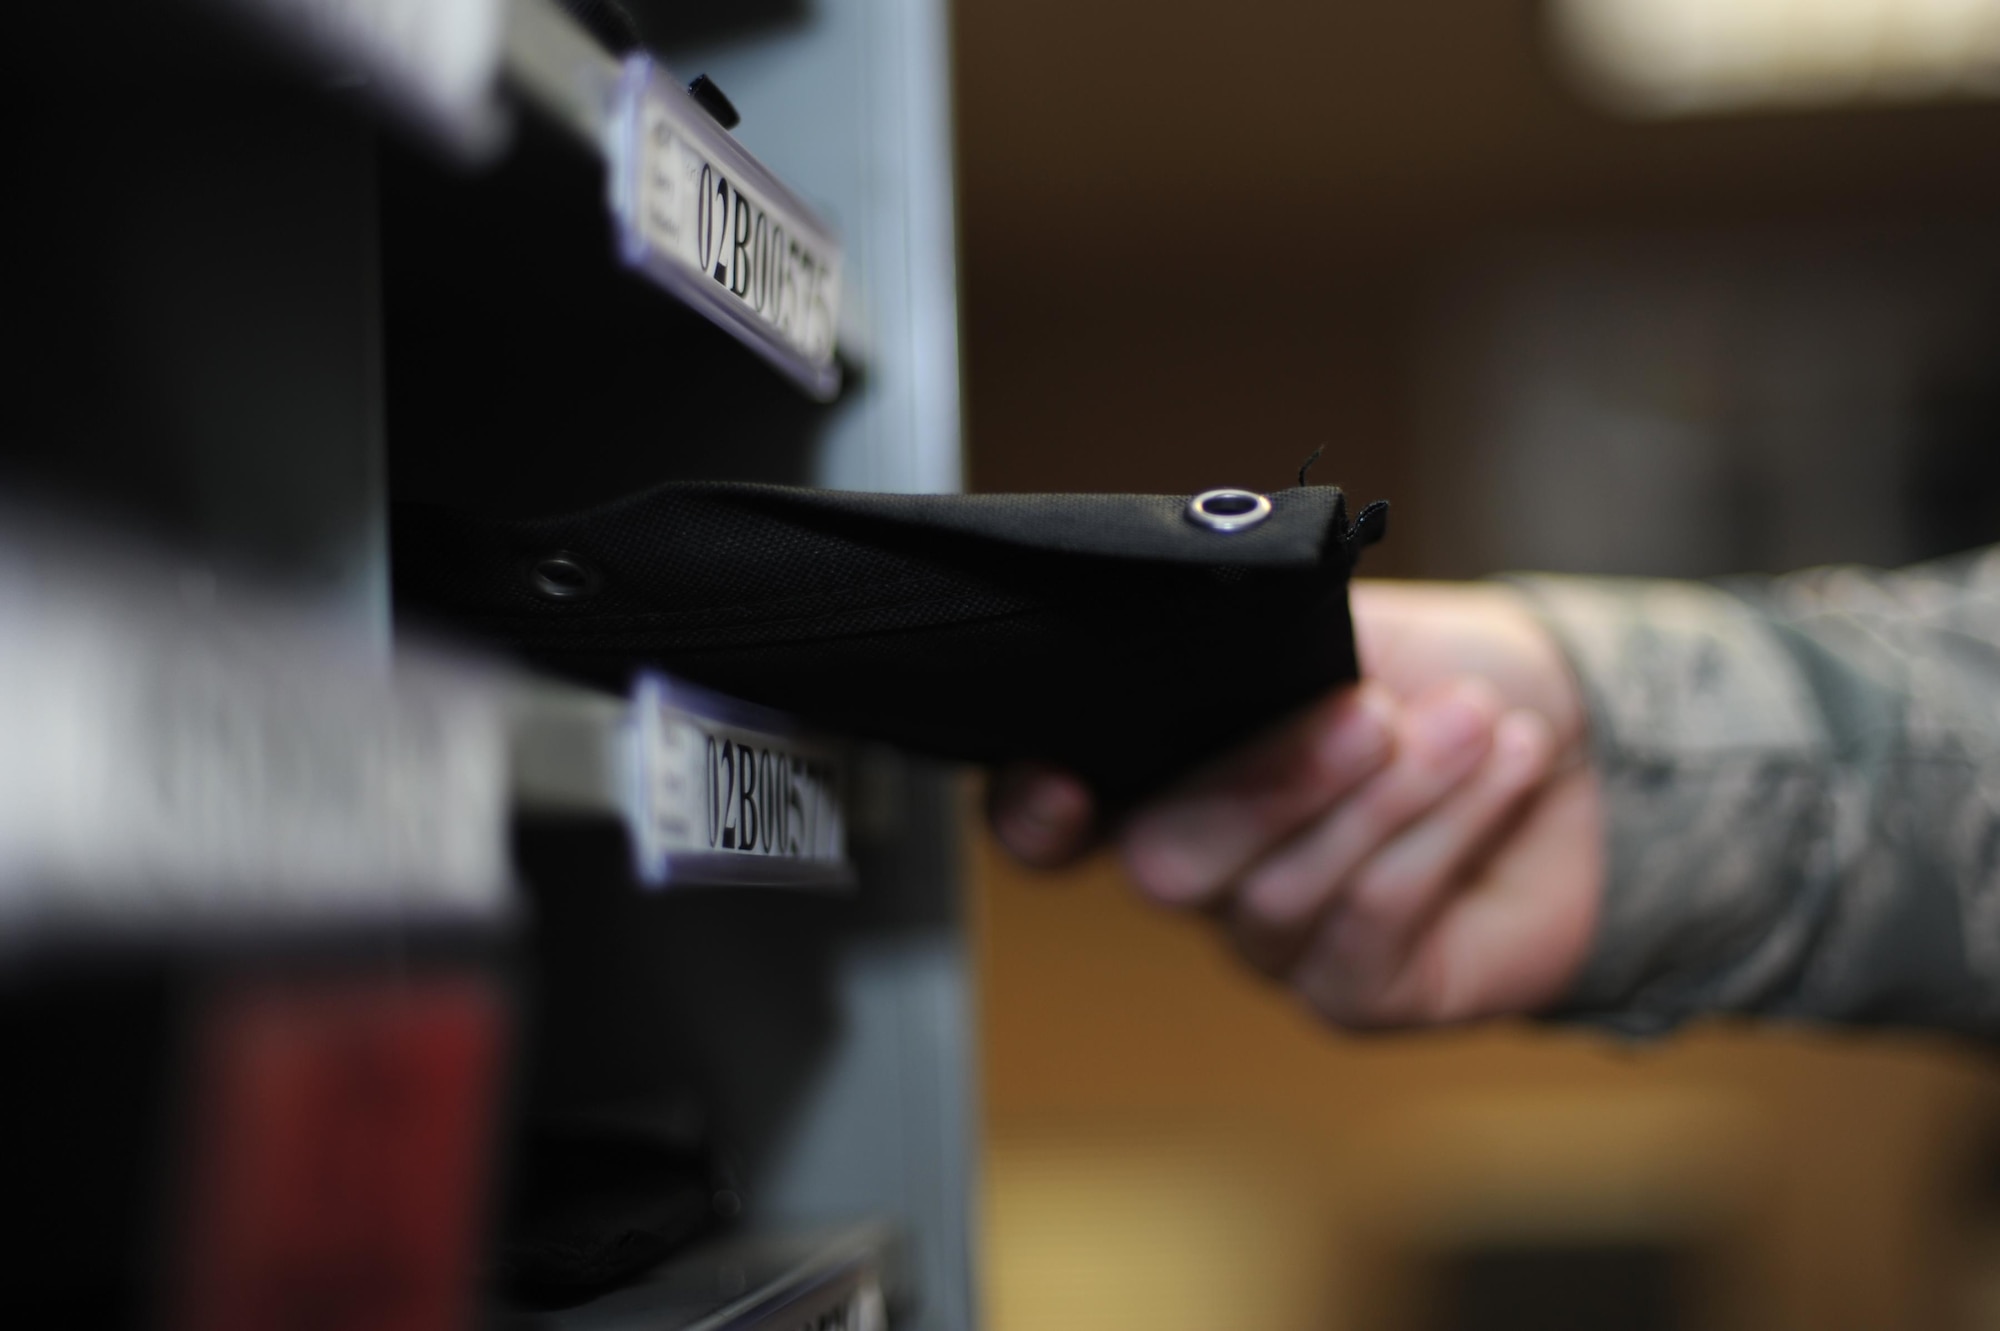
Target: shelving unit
[(837, 1278), (276, 285)]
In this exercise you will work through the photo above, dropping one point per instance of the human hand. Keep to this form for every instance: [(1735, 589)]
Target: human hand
[(1422, 848)]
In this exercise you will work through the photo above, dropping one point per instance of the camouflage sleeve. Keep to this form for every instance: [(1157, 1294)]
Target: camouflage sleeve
[(1802, 788)]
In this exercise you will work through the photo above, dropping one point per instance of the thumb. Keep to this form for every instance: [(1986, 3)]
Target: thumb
[(1040, 814)]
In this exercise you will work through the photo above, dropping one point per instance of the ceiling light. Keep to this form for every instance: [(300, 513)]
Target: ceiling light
[(1687, 57)]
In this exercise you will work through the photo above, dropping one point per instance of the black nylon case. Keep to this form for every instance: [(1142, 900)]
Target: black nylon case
[(1105, 633)]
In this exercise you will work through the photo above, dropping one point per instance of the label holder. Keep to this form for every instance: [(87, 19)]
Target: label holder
[(763, 238), (685, 806)]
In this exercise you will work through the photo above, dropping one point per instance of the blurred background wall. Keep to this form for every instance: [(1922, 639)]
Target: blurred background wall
[(1559, 322)]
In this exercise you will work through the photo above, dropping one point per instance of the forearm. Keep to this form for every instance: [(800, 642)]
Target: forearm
[(1801, 782)]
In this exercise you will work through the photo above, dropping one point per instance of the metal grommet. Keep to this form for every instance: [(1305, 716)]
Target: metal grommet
[(562, 576), (1228, 510)]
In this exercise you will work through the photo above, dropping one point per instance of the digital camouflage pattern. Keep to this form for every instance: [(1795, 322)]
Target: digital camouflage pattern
[(1802, 792)]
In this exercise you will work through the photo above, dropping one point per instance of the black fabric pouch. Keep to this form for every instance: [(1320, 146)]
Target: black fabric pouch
[(1115, 635), (599, 1200)]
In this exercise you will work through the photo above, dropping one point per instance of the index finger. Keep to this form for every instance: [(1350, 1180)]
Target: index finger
[(1186, 847)]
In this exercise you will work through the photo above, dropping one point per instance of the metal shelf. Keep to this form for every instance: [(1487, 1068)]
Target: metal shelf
[(844, 1278), (193, 758), (698, 216), (221, 368)]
